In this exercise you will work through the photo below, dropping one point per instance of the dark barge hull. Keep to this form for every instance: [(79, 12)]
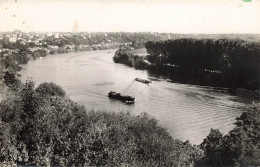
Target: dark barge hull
[(143, 80), (124, 98)]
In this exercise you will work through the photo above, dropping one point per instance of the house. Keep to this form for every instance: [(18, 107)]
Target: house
[(69, 47)]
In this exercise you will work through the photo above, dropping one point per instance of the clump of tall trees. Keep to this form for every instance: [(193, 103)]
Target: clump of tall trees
[(240, 147), (230, 62), (138, 62)]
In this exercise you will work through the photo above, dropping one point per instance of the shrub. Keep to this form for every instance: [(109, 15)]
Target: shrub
[(131, 60), (50, 89), (10, 79)]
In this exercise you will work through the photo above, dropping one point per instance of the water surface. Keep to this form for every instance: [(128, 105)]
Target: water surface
[(187, 111)]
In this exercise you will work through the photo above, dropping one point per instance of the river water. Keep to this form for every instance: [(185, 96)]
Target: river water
[(188, 112)]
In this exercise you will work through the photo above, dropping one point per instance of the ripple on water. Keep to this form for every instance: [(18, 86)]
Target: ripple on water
[(105, 83)]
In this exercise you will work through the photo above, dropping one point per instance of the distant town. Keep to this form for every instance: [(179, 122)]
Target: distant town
[(59, 42)]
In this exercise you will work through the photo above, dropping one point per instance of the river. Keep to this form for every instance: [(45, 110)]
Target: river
[(188, 112)]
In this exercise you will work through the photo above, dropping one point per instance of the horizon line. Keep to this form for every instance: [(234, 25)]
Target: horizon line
[(244, 33)]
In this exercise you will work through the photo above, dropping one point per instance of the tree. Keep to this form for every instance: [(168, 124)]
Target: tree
[(50, 89), (10, 79), (212, 148), (240, 147)]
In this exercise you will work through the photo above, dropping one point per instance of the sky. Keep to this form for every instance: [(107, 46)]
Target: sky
[(170, 16)]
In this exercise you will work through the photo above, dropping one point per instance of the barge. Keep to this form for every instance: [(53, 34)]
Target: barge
[(143, 80), (123, 98)]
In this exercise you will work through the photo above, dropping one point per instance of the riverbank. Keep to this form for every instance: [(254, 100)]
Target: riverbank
[(253, 96)]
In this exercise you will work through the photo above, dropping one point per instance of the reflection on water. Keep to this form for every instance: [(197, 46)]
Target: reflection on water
[(187, 111)]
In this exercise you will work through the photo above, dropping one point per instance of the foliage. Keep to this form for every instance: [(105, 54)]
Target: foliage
[(136, 40), (212, 148), (10, 78), (39, 53), (12, 149), (240, 147), (129, 59), (50, 89), (233, 63), (9, 62)]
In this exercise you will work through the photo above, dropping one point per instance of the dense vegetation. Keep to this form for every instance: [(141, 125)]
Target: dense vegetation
[(240, 147), (223, 62), (129, 59), (22, 53), (137, 40), (233, 63), (28, 46), (50, 89)]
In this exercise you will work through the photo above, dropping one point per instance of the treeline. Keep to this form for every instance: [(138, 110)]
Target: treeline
[(6, 44), (129, 59), (223, 62), (232, 63), (10, 62), (137, 40), (19, 52)]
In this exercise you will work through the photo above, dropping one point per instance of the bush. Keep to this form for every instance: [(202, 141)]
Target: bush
[(40, 53), (50, 89), (131, 60), (10, 79)]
